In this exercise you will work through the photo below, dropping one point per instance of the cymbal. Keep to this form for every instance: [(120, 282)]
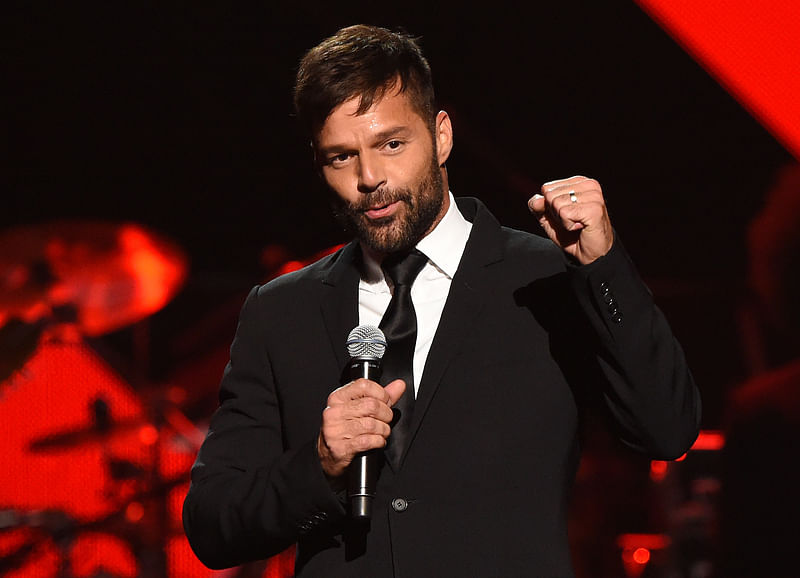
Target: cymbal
[(79, 436), (110, 275)]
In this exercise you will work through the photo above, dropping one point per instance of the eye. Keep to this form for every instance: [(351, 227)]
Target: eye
[(394, 145), (339, 160)]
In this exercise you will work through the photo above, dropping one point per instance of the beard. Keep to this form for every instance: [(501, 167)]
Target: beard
[(421, 204)]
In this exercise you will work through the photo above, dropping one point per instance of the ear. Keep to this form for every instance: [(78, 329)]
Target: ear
[(444, 137)]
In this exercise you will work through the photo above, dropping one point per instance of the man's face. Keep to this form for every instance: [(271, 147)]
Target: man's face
[(385, 171)]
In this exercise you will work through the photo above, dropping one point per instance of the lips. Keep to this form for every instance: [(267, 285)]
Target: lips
[(382, 211)]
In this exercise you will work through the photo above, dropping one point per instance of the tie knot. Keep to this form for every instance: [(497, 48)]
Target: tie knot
[(403, 268)]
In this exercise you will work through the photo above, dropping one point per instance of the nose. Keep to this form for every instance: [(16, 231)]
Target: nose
[(371, 173)]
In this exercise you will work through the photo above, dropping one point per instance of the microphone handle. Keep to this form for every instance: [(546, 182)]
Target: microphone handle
[(362, 475)]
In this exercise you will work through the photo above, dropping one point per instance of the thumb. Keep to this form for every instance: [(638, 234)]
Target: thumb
[(395, 390), (536, 204)]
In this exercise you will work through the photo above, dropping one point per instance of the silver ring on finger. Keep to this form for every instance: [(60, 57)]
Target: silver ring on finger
[(573, 197)]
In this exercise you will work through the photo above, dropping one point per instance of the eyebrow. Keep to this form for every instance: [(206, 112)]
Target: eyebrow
[(389, 133), (377, 138)]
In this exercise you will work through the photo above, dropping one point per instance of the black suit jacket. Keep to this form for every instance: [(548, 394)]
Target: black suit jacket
[(525, 342)]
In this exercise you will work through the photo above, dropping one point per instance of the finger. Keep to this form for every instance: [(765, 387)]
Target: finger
[(395, 390), (556, 212), (358, 389), (586, 193), (566, 200), (364, 443), (364, 407), (585, 189), (590, 215), (575, 206), (557, 193), (536, 204), (367, 407), (337, 455), (346, 446), (570, 215), (568, 182), (367, 426), (338, 435)]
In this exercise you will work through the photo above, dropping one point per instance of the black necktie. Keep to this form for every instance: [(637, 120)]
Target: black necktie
[(399, 325)]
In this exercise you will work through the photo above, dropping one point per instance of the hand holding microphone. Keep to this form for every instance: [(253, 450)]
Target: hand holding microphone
[(356, 419)]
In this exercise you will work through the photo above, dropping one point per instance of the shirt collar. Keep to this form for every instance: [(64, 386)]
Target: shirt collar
[(443, 246)]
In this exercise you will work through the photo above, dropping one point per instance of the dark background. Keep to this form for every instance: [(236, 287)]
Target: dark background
[(178, 116)]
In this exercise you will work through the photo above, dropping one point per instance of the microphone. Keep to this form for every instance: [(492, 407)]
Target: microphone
[(366, 345)]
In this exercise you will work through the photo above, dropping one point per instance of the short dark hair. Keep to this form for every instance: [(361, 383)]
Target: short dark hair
[(363, 61)]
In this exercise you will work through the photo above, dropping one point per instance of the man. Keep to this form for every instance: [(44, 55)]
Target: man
[(514, 336)]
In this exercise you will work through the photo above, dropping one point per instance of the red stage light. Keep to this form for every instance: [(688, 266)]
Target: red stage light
[(750, 48), (641, 555), (709, 440), (134, 512), (148, 434), (658, 470)]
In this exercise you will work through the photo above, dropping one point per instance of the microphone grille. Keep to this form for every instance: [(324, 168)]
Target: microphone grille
[(366, 341)]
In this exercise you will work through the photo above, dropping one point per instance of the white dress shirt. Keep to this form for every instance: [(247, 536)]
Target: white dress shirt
[(444, 247)]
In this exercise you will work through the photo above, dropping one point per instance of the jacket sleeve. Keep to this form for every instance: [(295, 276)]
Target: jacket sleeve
[(650, 392), (249, 497)]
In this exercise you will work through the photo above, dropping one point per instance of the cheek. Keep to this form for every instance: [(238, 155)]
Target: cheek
[(412, 171), (341, 184)]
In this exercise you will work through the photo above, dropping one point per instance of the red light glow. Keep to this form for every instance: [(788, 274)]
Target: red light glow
[(641, 555), (290, 266), (750, 48), (631, 542), (134, 512), (97, 554), (709, 440), (658, 470), (148, 434)]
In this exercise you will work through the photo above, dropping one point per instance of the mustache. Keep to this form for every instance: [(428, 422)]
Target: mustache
[(381, 198)]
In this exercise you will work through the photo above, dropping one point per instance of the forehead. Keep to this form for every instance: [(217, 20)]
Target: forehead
[(392, 111)]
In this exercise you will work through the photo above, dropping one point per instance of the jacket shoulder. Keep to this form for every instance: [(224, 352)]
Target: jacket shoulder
[(330, 267), (523, 245)]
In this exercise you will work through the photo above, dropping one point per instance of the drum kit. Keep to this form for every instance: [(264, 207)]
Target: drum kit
[(70, 418), (96, 464)]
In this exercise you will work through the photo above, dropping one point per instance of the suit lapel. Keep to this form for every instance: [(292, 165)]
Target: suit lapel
[(469, 291), (339, 305)]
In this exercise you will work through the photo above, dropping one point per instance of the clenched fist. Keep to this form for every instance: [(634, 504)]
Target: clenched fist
[(573, 214)]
